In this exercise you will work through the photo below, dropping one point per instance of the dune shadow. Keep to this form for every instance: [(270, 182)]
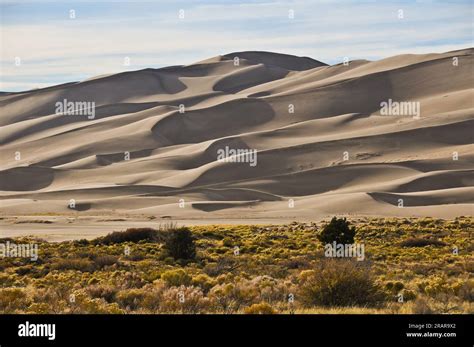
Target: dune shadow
[(26, 178), (216, 206), (225, 119)]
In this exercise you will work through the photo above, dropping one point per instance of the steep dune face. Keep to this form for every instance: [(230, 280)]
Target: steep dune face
[(249, 134)]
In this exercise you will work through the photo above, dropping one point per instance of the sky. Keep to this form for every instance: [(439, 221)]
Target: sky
[(44, 43)]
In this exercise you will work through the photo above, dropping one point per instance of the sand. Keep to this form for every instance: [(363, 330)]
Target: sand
[(335, 154)]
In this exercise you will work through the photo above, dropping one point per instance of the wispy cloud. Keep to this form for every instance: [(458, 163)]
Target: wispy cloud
[(54, 48)]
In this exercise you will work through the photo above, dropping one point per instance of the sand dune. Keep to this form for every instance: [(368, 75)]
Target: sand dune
[(324, 145)]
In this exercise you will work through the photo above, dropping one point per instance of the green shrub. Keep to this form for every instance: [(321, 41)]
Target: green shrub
[(25, 270), (337, 230), (130, 299), (204, 282), (106, 292), (228, 242), (408, 295), (153, 296), (339, 283), (180, 244), (262, 308), (419, 242), (176, 278), (6, 280), (131, 280), (57, 298), (394, 287), (84, 304), (232, 297), (223, 265), (12, 299), (79, 264), (105, 260), (466, 290), (190, 300), (421, 306), (129, 235)]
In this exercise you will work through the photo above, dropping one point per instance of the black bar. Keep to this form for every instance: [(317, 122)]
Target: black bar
[(245, 329)]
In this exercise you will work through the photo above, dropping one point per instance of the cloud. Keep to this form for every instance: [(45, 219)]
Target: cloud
[(55, 49)]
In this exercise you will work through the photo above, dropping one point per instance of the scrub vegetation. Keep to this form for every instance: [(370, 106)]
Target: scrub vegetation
[(410, 266)]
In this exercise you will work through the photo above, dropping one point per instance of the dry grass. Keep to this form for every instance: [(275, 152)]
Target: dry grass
[(272, 265)]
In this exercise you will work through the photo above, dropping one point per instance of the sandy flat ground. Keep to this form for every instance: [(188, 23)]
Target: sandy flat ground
[(323, 145), (89, 227), (76, 227)]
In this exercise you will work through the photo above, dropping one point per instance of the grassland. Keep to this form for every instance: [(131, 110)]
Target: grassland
[(410, 266)]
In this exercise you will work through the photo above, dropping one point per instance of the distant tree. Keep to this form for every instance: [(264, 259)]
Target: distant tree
[(180, 244), (338, 230)]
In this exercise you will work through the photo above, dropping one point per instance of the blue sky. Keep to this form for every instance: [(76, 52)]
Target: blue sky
[(54, 48)]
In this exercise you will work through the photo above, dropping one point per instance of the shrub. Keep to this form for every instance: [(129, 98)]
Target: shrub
[(129, 235), (394, 287), (56, 298), (224, 265), (466, 291), (25, 270), (131, 280), (232, 297), (6, 280), (79, 264), (421, 306), (12, 299), (436, 285), (130, 299), (337, 230), (270, 290), (228, 242), (339, 283), (81, 242), (419, 242), (176, 278), (105, 292), (84, 304), (105, 260), (204, 282), (262, 308), (136, 256), (180, 244), (153, 296), (39, 308), (185, 300), (296, 263), (408, 295)]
